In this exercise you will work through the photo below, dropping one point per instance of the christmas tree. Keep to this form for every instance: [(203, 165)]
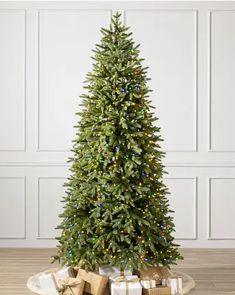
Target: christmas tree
[(116, 211)]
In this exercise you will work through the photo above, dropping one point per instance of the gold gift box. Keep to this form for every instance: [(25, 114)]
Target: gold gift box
[(161, 290), (95, 284)]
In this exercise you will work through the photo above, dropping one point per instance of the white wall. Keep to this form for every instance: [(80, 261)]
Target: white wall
[(45, 51)]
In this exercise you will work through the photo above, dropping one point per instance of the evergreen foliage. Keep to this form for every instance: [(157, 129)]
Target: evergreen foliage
[(116, 208)]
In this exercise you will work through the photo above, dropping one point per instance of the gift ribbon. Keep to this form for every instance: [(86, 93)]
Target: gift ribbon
[(123, 279), (150, 284), (178, 285), (66, 284), (155, 276), (177, 282)]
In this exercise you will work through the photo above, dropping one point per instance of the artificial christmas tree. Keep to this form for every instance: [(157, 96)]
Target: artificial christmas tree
[(116, 211)]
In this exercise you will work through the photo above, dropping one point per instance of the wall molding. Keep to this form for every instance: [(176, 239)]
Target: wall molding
[(168, 164), (109, 11), (39, 237), (24, 100), (209, 221), (195, 99), (23, 237), (210, 33), (195, 184), (195, 123)]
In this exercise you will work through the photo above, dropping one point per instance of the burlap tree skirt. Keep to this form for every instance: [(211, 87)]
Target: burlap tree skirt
[(188, 283)]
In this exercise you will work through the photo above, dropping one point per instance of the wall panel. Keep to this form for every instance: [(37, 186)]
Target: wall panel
[(50, 192), (183, 194), (222, 73), (221, 204), (12, 80), (12, 209), (175, 92), (64, 59)]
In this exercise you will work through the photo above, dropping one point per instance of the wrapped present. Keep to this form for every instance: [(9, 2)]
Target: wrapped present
[(125, 285), (50, 279), (151, 273), (156, 273), (95, 284), (160, 290), (107, 290), (148, 284), (48, 284), (71, 286), (175, 284), (112, 271), (63, 273)]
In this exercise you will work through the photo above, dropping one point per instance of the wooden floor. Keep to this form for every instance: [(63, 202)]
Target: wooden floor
[(212, 269)]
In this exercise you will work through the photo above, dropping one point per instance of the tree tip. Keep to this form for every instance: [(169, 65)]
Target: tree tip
[(117, 15)]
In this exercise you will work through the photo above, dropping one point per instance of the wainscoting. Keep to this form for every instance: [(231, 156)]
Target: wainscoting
[(44, 56)]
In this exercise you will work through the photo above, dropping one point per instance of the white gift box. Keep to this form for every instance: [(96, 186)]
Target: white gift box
[(175, 284), (48, 284), (112, 271), (123, 285), (51, 280), (148, 283)]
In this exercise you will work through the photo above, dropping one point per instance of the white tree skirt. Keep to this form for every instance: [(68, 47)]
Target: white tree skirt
[(188, 283)]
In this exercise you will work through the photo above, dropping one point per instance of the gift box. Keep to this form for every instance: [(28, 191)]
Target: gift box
[(175, 284), (71, 286), (125, 285), (107, 290), (95, 284), (112, 271), (156, 273), (48, 284), (50, 279), (64, 273), (149, 274), (160, 290), (148, 284)]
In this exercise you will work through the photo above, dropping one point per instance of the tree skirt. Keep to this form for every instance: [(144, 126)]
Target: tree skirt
[(188, 283)]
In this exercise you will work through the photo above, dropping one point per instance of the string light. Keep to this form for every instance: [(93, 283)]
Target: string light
[(110, 172)]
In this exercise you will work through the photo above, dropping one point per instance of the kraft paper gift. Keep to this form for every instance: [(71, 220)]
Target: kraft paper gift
[(71, 286), (160, 290), (95, 284)]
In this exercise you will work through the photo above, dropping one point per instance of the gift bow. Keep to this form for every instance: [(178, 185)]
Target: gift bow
[(150, 280), (123, 278), (67, 283), (155, 276)]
